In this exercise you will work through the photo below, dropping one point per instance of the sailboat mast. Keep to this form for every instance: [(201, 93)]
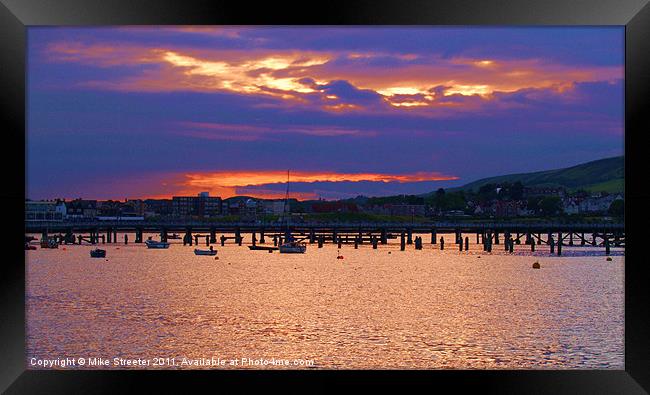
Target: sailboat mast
[(284, 211), (286, 199)]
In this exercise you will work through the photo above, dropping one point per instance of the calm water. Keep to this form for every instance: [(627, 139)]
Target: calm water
[(373, 309)]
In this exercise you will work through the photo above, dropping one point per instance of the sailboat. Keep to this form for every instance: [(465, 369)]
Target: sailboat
[(291, 245)]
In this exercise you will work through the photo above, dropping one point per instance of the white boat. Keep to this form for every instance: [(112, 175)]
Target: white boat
[(156, 244), (293, 247), (210, 252)]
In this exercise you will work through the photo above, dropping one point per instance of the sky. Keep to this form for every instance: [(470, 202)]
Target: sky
[(154, 112)]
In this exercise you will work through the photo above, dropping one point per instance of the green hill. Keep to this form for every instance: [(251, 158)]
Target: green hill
[(600, 175)]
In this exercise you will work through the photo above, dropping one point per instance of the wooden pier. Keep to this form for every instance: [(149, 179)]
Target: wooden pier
[(488, 235)]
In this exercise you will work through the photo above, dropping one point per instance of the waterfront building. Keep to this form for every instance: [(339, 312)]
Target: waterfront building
[(202, 205), (81, 208), (47, 210), (162, 207), (273, 207)]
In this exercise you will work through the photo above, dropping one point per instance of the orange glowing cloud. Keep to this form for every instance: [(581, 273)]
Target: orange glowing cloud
[(303, 77), (237, 182)]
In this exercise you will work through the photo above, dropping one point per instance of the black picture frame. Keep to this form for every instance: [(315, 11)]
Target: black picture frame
[(16, 15)]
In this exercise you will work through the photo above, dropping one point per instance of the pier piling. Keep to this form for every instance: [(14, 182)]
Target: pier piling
[(551, 242)]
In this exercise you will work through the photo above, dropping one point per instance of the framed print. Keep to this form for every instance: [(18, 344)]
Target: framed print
[(409, 193)]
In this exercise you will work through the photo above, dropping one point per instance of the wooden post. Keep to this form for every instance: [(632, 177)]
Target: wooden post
[(571, 238), (262, 236), (223, 240), (489, 246), (207, 240), (374, 243), (442, 243), (607, 244), (126, 239), (321, 239), (312, 236), (402, 245), (253, 238), (433, 236), (496, 237), (213, 235), (384, 237), (466, 243), (409, 239), (551, 242), (340, 241)]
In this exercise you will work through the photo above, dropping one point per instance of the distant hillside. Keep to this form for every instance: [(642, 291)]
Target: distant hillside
[(600, 175)]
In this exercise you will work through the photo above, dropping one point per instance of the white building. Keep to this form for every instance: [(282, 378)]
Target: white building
[(46, 210)]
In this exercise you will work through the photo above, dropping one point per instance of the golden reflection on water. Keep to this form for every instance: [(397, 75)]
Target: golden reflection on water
[(376, 309)]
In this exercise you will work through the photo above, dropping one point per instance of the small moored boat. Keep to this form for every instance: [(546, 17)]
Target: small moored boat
[(210, 252), (262, 248), (293, 247), (50, 243), (98, 253), (156, 244)]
